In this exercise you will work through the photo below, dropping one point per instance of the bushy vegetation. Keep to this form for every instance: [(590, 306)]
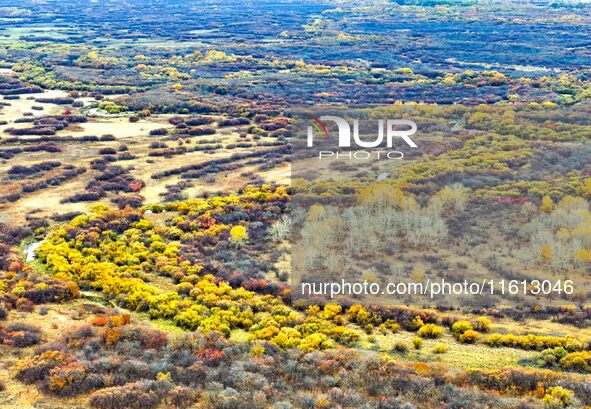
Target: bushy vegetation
[(123, 364), (22, 288), (535, 342), (560, 357), (20, 335)]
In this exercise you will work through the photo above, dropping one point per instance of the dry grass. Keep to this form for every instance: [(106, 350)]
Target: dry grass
[(136, 136)]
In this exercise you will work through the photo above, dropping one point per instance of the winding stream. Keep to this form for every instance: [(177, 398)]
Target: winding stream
[(30, 250)]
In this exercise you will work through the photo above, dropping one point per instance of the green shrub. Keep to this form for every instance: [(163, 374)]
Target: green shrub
[(400, 347), (417, 322), (459, 327), (533, 342), (558, 397), (576, 361), (391, 325), (440, 348), (430, 331), (482, 324), (417, 343), (550, 357)]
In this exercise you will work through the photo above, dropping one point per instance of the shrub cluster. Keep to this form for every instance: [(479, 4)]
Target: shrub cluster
[(534, 342), (29, 170), (119, 363), (20, 335)]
